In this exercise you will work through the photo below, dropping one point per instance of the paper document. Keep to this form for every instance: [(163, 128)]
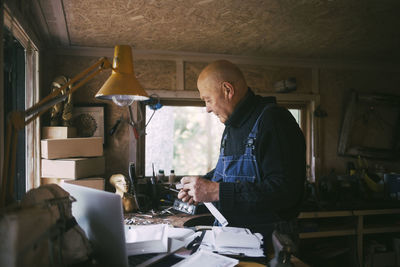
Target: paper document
[(180, 233), (227, 237), (142, 239), (205, 258), (233, 241), (220, 218)]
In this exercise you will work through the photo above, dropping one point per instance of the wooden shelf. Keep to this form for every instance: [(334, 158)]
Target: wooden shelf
[(324, 214), (376, 212), (361, 224), (320, 234), (380, 230)]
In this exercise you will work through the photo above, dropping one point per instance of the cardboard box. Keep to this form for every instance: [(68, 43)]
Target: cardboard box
[(95, 182), (58, 132), (44, 181), (73, 168), (72, 147)]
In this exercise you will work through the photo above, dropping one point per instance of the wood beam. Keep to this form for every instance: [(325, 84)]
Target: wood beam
[(206, 57)]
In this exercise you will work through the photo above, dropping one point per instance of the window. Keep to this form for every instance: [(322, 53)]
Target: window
[(22, 71), (182, 138), (14, 99), (185, 138)]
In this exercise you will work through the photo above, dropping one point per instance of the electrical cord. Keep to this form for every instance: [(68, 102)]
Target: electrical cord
[(153, 103)]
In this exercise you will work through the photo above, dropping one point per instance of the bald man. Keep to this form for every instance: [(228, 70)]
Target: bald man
[(259, 178)]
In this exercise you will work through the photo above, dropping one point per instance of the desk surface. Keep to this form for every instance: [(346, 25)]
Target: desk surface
[(178, 220)]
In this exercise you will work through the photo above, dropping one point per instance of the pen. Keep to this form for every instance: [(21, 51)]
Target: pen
[(173, 190), (153, 179)]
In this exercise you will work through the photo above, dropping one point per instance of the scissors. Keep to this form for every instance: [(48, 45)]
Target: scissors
[(195, 244)]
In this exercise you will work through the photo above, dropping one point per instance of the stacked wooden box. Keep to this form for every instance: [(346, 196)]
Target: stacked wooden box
[(71, 159)]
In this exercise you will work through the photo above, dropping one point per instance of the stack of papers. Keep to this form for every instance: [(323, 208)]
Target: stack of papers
[(155, 238), (143, 239), (205, 258), (233, 241)]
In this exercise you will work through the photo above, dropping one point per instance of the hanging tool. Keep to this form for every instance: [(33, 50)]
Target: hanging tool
[(367, 176), (115, 127), (132, 123)]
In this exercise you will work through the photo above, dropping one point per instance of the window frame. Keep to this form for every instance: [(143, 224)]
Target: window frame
[(305, 107), (32, 94)]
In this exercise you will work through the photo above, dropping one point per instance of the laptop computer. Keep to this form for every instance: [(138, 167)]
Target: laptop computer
[(99, 214)]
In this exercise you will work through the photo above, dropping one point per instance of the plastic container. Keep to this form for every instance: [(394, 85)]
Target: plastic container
[(161, 176), (172, 177)]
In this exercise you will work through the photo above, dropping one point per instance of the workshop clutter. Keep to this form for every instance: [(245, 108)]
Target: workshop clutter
[(392, 185), (361, 182), (382, 253), (41, 231)]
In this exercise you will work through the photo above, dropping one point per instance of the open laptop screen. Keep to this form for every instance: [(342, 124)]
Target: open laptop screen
[(100, 215)]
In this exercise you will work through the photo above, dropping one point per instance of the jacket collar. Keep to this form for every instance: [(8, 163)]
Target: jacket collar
[(245, 108)]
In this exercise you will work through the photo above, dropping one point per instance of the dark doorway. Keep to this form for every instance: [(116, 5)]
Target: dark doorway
[(14, 99)]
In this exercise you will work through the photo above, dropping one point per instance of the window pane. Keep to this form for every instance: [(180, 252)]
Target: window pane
[(296, 114), (185, 139)]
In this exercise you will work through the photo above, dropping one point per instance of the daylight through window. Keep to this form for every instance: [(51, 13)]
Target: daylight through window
[(185, 139)]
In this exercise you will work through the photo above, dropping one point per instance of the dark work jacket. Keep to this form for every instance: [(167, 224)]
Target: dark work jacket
[(281, 156)]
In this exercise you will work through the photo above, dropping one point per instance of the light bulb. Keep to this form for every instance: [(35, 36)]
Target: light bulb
[(123, 100)]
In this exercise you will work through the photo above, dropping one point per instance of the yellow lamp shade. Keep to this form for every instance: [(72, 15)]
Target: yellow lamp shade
[(122, 86)]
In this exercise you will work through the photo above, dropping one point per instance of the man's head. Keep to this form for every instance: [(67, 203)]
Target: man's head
[(221, 85)]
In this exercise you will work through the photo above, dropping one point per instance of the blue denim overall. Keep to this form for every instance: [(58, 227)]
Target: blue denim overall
[(244, 168), (239, 168)]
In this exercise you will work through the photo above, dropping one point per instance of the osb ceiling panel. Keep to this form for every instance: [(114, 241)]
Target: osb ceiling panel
[(339, 29)]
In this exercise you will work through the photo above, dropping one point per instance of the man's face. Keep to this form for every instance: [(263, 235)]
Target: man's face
[(215, 100)]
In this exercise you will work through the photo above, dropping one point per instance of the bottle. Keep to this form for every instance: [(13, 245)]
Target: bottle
[(161, 176), (171, 178)]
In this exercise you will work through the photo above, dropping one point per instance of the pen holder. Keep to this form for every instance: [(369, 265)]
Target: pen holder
[(155, 200), (152, 191)]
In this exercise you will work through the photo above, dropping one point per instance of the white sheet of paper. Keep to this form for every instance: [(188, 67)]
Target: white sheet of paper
[(233, 246), (140, 233), (142, 239), (222, 220), (205, 258), (228, 237), (179, 233)]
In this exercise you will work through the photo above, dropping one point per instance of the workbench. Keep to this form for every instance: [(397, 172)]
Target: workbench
[(343, 223), (184, 220)]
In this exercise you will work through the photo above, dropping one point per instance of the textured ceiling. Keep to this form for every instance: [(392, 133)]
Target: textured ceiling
[(335, 29)]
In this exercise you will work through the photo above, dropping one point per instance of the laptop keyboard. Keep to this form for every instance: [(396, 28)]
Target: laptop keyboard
[(146, 260), (135, 260)]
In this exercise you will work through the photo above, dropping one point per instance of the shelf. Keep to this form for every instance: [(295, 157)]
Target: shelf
[(381, 229), (324, 214), (374, 221), (376, 212), (327, 233)]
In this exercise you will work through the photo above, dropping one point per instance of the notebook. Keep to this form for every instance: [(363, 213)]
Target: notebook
[(99, 214)]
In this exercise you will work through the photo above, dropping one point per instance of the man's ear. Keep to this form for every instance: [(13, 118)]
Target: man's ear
[(228, 89)]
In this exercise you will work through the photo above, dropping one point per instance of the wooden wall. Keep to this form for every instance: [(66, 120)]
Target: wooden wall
[(334, 86)]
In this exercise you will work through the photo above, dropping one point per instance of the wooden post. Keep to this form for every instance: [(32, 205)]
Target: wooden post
[(2, 124), (360, 228)]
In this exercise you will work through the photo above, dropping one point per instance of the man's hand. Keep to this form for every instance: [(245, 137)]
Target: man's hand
[(196, 189)]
